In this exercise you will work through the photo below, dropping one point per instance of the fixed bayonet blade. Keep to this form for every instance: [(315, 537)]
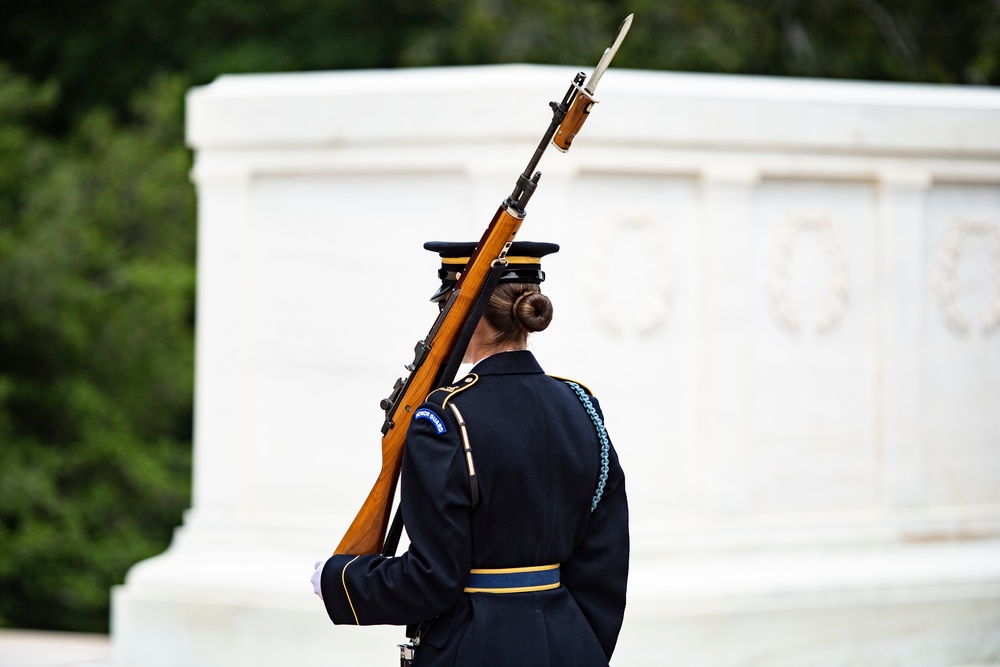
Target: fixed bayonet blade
[(609, 53)]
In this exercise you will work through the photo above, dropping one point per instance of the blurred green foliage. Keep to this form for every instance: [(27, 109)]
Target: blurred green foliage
[(101, 51), (97, 216), (96, 349)]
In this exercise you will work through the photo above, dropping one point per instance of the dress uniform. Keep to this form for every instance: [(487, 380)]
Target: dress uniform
[(514, 503)]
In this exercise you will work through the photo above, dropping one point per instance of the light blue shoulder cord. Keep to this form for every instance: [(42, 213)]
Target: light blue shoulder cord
[(602, 434)]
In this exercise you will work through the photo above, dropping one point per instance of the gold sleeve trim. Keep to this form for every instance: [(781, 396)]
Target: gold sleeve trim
[(343, 582)]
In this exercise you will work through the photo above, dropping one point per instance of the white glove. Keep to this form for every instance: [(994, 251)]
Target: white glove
[(317, 578)]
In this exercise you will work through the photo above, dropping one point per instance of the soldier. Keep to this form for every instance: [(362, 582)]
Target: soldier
[(513, 500)]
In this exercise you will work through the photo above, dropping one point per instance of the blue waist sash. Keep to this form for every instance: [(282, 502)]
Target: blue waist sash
[(513, 579)]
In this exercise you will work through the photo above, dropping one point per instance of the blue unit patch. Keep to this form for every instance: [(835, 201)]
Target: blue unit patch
[(432, 417)]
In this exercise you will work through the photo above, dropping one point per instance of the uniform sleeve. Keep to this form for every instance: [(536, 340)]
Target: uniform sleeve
[(429, 577), (597, 572)]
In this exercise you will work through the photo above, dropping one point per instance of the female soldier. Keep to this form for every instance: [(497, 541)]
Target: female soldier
[(518, 553)]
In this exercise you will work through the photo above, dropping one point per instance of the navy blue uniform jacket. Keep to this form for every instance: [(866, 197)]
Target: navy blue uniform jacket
[(537, 457)]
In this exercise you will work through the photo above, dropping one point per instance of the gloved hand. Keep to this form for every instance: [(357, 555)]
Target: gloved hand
[(317, 578)]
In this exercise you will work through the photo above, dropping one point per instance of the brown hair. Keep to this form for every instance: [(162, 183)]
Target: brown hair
[(515, 310)]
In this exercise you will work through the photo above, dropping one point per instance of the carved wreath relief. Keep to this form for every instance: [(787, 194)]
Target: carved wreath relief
[(831, 305), (950, 258), (644, 308)]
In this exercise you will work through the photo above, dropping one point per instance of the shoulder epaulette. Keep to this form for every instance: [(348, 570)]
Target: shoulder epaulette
[(562, 379), (442, 395)]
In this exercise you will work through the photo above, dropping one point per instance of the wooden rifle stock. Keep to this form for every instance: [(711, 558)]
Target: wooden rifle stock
[(367, 532), (436, 357)]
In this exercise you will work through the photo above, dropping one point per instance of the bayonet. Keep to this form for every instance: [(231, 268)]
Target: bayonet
[(609, 53), (583, 97)]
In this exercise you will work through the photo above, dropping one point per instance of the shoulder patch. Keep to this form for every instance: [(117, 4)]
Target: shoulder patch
[(431, 416), (562, 379), (443, 394)]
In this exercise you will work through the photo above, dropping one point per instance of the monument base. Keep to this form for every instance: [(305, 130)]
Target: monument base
[(232, 595), (922, 605), (226, 596)]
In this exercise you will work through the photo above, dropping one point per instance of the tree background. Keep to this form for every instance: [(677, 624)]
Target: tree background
[(97, 214)]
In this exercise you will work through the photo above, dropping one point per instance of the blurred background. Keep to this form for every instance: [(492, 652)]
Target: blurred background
[(97, 212)]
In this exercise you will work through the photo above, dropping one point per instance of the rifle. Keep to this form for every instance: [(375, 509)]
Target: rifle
[(437, 356)]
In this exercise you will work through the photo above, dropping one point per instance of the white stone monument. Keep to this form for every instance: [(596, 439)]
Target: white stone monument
[(786, 294)]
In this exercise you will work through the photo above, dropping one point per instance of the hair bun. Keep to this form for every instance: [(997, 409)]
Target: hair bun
[(532, 311)]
